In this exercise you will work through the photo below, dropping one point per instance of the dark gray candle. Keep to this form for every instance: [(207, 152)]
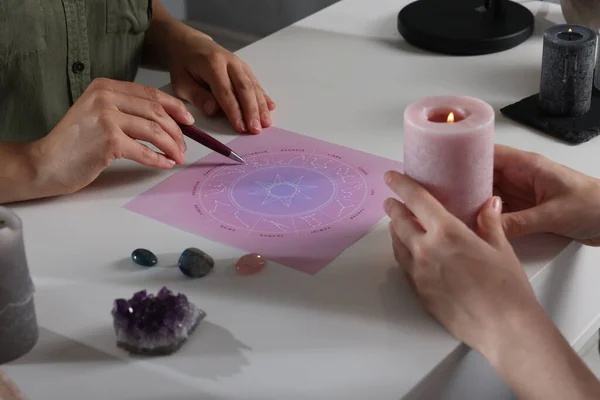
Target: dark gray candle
[(18, 323), (568, 62)]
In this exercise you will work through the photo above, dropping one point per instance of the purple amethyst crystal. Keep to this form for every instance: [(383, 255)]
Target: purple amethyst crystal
[(155, 325)]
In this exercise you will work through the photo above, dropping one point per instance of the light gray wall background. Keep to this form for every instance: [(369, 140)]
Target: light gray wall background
[(234, 23), (250, 18)]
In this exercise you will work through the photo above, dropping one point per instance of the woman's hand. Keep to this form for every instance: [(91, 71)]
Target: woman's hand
[(106, 123), (212, 79), (471, 283), (543, 196)]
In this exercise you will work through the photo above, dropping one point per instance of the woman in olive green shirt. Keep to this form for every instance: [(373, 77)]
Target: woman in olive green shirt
[(69, 108)]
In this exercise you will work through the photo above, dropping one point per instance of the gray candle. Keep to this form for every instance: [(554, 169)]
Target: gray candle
[(567, 78), (18, 323)]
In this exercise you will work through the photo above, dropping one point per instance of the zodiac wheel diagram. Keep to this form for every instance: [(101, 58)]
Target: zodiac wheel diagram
[(283, 193)]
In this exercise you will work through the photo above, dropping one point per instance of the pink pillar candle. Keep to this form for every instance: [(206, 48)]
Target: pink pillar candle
[(453, 160)]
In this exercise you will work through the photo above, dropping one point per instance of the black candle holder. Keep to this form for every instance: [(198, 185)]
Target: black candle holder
[(465, 27)]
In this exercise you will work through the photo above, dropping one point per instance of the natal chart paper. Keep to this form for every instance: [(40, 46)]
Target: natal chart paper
[(298, 201)]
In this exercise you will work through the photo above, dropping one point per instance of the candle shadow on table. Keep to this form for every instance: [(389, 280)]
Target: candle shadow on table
[(53, 348), (211, 352)]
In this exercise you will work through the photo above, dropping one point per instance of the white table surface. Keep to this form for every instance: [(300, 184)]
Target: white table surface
[(353, 331)]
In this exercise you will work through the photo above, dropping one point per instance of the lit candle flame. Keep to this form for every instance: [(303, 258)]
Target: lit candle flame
[(450, 118), (570, 30)]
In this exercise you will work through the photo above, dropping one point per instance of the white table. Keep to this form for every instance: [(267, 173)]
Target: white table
[(355, 330)]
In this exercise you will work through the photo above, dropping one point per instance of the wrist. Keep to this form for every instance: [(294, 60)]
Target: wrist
[(168, 38), (534, 359), (513, 334), (19, 173), (39, 170)]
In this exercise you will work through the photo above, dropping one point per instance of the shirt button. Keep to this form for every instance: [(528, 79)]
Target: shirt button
[(78, 67)]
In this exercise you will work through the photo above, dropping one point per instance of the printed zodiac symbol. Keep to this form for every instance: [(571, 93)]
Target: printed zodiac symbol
[(282, 227), (288, 162), (344, 173), (348, 191), (343, 207), (216, 189), (258, 164), (230, 171), (312, 221), (217, 204), (319, 166), (235, 214)]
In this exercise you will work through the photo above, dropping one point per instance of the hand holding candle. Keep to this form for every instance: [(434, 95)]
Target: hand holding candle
[(449, 149)]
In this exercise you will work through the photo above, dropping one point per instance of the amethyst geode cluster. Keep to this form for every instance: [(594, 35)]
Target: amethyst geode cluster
[(154, 325)]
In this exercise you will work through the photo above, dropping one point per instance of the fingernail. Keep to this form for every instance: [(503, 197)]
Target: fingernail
[(209, 106), (170, 163), (386, 206), (190, 118), (497, 204), (387, 177), (266, 119), (242, 125), (255, 124), (184, 145)]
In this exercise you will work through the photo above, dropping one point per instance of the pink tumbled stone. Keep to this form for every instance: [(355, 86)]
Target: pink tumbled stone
[(250, 264)]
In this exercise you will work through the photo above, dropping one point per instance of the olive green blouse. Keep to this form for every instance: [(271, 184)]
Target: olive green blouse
[(50, 51)]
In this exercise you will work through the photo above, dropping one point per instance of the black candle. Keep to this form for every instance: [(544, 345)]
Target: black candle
[(568, 62)]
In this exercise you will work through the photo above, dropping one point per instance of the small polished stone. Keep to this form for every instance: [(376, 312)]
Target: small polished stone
[(195, 263), (250, 264), (144, 257)]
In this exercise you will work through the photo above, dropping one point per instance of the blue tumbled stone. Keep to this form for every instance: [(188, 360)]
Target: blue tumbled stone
[(144, 257), (195, 263)]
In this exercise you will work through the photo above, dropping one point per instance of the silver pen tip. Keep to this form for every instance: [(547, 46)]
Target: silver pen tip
[(233, 155)]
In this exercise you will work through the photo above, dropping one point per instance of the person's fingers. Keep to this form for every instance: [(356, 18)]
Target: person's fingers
[(149, 131), (222, 89), (524, 164), (503, 154), (270, 103), (172, 105), (403, 221), (417, 199), (135, 151), (152, 111), (538, 219), (489, 223), (403, 257), (264, 112), (262, 99), (246, 95), (401, 253), (188, 89)]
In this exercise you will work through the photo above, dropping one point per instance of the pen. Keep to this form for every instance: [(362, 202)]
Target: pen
[(205, 139)]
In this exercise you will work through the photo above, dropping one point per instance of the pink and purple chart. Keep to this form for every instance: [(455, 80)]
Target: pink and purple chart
[(298, 201)]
